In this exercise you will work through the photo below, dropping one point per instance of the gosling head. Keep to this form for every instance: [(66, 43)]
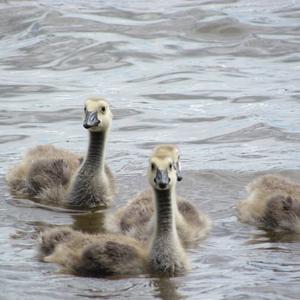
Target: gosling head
[(173, 152), (97, 115), (162, 174)]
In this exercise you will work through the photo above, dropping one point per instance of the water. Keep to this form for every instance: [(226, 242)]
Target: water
[(218, 78)]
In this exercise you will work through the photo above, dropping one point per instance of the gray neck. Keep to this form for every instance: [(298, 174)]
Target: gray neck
[(83, 190), (95, 158), (165, 202), (166, 253)]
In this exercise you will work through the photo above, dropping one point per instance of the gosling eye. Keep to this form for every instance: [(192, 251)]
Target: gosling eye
[(103, 109), (152, 166), (85, 109), (170, 166)]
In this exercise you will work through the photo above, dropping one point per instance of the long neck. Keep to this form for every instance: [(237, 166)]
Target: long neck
[(166, 252), (83, 190), (95, 157), (165, 202)]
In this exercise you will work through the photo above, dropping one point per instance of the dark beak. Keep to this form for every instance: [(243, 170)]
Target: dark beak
[(90, 120), (162, 179), (178, 171)]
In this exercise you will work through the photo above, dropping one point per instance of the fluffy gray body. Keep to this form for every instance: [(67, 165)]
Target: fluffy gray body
[(93, 255), (44, 174), (273, 203), (59, 177), (115, 254), (137, 219)]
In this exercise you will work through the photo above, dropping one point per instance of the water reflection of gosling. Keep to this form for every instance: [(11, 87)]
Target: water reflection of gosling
[(273, 203), (108, 254), (54, 176), (137, 218)]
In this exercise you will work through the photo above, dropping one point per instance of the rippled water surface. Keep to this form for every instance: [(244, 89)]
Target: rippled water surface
[(218, 78)]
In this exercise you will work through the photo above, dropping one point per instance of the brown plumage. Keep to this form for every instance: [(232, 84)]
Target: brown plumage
[(59, 177), (273, 203), (93, 255), (115, 254), (136, 218), (44, 173)]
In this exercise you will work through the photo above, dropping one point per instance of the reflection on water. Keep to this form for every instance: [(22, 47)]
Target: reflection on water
[(89, 222), (274, 237), (219, 78), (166, 289)]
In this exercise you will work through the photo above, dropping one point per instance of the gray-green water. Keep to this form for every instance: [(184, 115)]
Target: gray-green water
[(218, 78)]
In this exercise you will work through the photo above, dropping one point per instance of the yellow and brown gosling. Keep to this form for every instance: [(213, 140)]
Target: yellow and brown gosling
[(115, 254), (137, 218), (59, 177), (273, 203)]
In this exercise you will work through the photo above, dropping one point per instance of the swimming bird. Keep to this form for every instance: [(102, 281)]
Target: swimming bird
[(137, 219), (273, 203), (60, 177), (115, 254)]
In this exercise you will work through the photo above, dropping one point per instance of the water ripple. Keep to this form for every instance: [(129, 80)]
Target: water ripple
[(218, 78)]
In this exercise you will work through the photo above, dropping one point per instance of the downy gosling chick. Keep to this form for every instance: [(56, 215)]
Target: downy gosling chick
[(114, 254), (137, 218), (59, 177), (273, 203)]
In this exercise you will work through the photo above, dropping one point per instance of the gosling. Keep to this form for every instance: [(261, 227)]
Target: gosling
[(108, 254), (137, 217), (273, 204), (59, 177)]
